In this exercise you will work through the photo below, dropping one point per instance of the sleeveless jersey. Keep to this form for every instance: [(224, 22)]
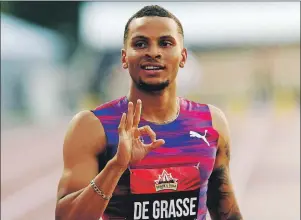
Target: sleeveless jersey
[(171, 181)]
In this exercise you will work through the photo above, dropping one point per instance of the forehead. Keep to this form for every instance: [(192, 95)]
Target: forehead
[(153, 27)]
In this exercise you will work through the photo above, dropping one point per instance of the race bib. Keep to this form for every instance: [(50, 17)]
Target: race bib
[(165, 193)]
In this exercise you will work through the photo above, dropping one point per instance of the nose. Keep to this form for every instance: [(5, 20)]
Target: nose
[(153, 52)]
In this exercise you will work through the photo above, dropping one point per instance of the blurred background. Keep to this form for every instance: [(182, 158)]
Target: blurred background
[(58, 58)]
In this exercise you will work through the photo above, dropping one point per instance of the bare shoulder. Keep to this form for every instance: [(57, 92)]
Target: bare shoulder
[(219, 122), (84, 139), (85, 134), (84, 118)]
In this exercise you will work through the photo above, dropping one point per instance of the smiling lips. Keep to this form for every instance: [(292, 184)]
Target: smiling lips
[(152, 67)]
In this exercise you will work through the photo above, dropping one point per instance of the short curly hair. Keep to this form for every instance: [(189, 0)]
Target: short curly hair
[(149, 11)]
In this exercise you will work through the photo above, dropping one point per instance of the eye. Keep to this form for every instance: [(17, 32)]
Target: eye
[(140, 44), (165, 43)]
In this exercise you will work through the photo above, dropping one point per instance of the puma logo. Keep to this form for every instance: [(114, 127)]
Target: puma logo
[(197, 135)]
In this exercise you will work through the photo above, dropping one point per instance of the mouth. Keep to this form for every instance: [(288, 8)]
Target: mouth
[(152, 67)]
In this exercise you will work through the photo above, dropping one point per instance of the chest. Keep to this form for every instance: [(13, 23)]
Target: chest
[(186, 145)]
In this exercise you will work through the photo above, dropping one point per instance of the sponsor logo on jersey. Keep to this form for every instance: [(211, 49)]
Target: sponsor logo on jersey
[(166, 181)]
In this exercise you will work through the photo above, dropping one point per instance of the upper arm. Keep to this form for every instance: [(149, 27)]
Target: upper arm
[(84, 139), (220, 124), (221, 201)]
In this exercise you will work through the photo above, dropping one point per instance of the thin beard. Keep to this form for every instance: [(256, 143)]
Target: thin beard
[(141, 85)]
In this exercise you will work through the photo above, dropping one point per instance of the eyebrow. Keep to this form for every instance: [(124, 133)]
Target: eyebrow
[(167, 36), (139, 37), (146, 38)]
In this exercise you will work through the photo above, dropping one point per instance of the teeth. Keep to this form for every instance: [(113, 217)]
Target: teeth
[(152, 67)]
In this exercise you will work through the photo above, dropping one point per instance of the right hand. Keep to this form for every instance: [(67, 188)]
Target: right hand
[(130, 148)]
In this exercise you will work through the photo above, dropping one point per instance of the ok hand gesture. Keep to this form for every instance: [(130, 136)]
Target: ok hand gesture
[(130, 148)]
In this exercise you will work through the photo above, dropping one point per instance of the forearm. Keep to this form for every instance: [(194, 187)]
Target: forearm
[(221, 202), (231, 212), (86, 203)]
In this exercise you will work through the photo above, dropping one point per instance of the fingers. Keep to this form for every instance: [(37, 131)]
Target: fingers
[(154, 145), (141, 131), (137, 113), (121, 126), (133, 118), (129, 117), (148, 131), (145, 130), (137, 132)]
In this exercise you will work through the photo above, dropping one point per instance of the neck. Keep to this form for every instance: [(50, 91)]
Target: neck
[(156, 107)]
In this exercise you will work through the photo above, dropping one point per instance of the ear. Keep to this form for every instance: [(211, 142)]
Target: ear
[(184, 57), (124, 59)]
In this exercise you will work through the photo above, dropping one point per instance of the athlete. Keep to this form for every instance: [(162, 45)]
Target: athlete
[(149, 154)]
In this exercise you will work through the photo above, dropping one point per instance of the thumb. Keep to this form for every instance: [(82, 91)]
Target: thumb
[(154, 145)]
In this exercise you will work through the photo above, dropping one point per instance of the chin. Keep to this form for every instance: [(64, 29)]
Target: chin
[(152, 85)]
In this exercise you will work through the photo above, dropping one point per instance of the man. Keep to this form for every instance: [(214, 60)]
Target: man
[(150, 154)]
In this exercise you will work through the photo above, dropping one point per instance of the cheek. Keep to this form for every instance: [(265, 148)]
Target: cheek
[(173, 60), (133, 65), (133, 60), (173, 55)]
